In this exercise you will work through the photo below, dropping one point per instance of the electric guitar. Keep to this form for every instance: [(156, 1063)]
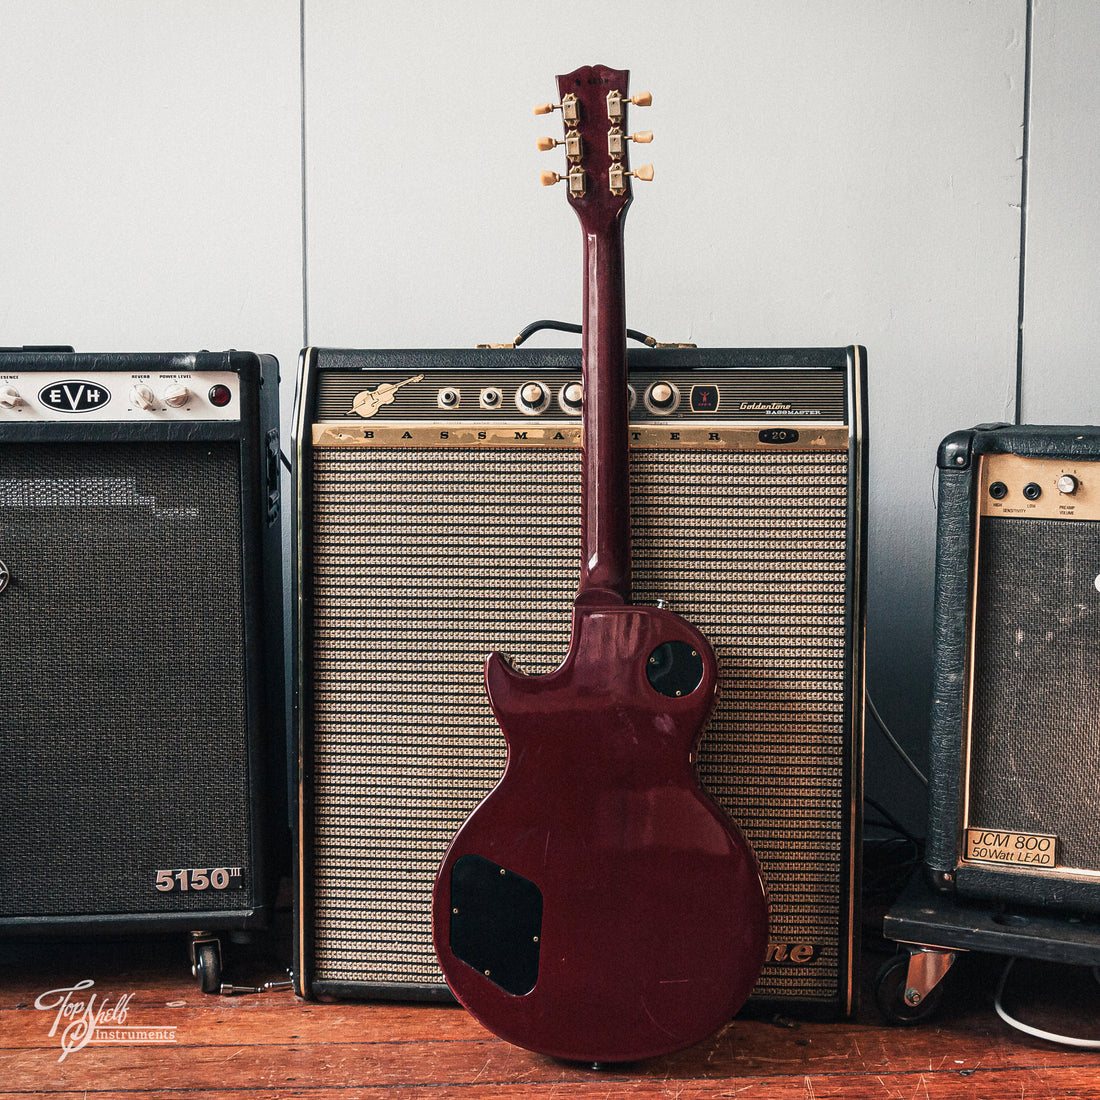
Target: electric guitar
[(598, 905)]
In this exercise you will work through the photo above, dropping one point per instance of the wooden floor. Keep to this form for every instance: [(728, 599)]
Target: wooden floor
[(274, 1045)]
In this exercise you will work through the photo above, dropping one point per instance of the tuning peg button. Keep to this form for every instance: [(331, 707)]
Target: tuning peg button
[(616, 109), (578, 181), (572, 144), (568, 107), (616, 176), (616, 140)]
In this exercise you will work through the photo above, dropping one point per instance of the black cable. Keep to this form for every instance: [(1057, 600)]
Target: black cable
[(568, 326)]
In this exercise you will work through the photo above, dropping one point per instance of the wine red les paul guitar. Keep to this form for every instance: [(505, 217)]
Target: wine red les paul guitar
[(598, 905)]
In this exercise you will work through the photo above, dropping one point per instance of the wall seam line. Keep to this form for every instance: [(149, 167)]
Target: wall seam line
[(1024, 168), (305, 208)]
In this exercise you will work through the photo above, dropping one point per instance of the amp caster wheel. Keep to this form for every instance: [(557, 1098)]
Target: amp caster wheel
[(901, 994), (206, 962)]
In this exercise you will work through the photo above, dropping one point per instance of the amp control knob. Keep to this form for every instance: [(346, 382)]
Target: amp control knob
[(532, 398), (176, 395), (9, 397), (571, 397), (142, 397), (1067, 485), (662, 398)]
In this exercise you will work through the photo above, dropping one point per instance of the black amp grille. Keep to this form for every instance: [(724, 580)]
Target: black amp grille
[(1036, 688), (121, 644)]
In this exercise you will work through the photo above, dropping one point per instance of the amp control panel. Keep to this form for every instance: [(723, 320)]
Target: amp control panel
[(119, 396)]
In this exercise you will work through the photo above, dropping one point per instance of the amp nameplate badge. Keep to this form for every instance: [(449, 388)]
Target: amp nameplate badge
[(1000, 846), (718, 436)]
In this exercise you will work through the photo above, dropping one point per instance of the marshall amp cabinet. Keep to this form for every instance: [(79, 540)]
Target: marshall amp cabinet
[(140, 716), (1014, 797), (437, 518)]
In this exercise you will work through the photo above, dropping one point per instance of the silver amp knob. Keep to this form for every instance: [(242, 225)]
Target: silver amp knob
[(662, 398), (571, 397), (532, 398)]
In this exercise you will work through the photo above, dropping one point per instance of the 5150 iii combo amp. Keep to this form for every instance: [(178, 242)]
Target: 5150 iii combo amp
[(140, 597)]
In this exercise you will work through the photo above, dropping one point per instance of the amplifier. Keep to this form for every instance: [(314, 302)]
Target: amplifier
[(141, 716), (437, 518), (1013, 802)]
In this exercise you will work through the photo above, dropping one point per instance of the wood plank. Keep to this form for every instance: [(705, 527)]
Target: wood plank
[(275, 1044), (361, 1047)]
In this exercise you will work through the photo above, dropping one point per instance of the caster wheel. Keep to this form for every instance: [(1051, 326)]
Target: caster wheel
[(890, 985), (207, 967)]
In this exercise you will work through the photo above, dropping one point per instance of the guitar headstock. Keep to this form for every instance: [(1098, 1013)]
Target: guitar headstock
[(593, 103)]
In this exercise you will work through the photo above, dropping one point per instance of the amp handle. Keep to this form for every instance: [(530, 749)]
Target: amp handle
[(569, 326)]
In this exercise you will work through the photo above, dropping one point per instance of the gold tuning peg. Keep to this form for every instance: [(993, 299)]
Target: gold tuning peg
[(616, 101), (616, 140), (572, 144), (568, 108), (616, 177), (576, 179)]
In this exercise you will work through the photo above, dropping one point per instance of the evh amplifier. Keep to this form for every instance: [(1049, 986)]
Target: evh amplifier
[(437, 518), (140, 716), (1015, 757)]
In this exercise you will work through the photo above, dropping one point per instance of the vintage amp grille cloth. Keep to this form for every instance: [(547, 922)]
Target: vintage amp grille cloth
[(423, 561)]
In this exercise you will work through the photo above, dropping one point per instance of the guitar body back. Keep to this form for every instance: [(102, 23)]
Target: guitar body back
[(597, 905)]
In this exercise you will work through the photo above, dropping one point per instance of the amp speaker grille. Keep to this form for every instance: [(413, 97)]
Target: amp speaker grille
[(1035, 683), (424, 561), (121, 644)]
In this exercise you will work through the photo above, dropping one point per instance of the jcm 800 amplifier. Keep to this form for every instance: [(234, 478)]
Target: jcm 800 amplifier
[(1014, 760), (437, 519)]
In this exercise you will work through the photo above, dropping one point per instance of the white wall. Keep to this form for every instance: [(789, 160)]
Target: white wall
[(150, 175), (1061, 332), (825, 173)]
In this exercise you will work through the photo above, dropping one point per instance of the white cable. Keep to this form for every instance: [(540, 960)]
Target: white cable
[(1065, 1040)]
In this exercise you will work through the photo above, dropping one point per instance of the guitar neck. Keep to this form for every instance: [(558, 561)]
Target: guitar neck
[(605, 459), (593, 106)]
